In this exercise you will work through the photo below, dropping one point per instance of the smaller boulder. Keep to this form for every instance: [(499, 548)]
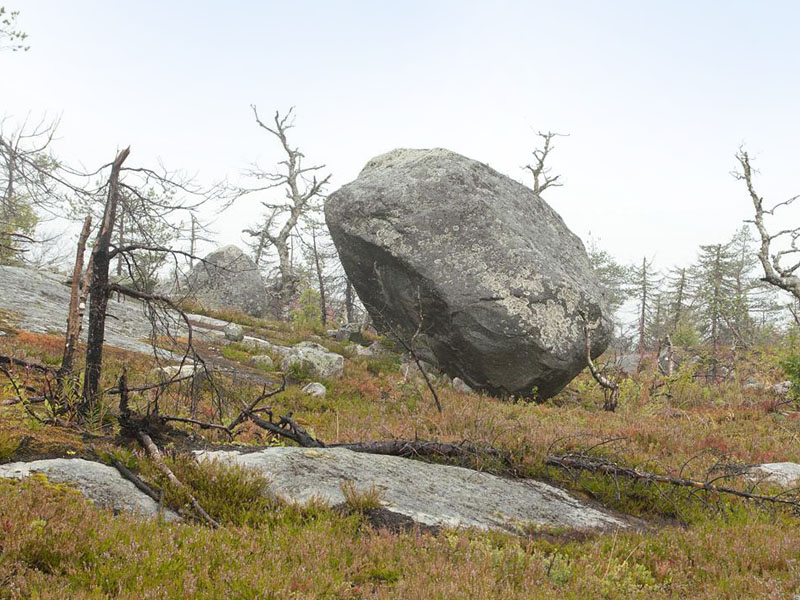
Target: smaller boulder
[(262, 361), (253, 343), (460, 386), (782, 389), (234, 332), (177, 372), (316, 360), (315, 389), (360, 350)]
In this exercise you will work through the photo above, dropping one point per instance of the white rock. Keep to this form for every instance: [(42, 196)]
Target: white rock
[(262, 360), (177, 372), (253, 343), (234, 332), (460, 386), (431, 494), (316, 359), (98, 482), (784, 474), (782, 389), (315, 389)]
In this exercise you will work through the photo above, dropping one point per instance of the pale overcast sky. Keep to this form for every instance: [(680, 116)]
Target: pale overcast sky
[(656, 96)]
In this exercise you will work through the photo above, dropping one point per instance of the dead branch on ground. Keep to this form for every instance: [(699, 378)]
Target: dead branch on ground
[(155, 454), (582, 461)]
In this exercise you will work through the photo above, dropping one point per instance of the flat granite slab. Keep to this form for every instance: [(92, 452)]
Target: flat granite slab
[(98, 482), (430, 494)]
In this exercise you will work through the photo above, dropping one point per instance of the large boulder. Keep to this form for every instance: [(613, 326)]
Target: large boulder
[(475, 263), (228, 278)]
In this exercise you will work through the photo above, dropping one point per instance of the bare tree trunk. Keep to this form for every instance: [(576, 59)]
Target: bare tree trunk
[(75, 315), (320, 279), (642, 313), (99, 290), (716, 309), (679, 300), (120, 242), (193, 242)]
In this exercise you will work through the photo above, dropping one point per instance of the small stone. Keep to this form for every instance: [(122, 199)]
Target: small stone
[(360, 350), (315, 389), (234, 332), (460, 386), (263, 361), (178, 372), (253, 343), (782, 389)]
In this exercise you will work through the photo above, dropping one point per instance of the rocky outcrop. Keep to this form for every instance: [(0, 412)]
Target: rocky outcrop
[(228, 279), (100, 483), (491, 272), (430, 494), (37, 301)]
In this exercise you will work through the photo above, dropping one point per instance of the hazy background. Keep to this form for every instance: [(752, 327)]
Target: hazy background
[(656, 96)]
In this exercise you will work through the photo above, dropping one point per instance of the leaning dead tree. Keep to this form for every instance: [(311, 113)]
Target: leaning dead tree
[(542, 177), (610, 388), (302, 193), (780, 266)]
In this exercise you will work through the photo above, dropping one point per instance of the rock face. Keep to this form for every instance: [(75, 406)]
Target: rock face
[(430, 494), (229, 279), (493, 273), (100, 483)]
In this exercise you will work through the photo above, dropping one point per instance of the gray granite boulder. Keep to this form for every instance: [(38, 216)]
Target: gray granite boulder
[(490, 271), (228, 278), (430, 494), (316, 360), (98, 482), (263, 361), (315, 389), (234, 332)]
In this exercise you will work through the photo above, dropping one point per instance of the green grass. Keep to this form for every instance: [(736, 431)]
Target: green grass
[(56, 545)]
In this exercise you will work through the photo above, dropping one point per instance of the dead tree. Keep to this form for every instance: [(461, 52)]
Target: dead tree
[(302, 190), (317, 256), (98, 288), (77, 304), (776, 272), (178, 196), (610, 388), (542, 179)]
